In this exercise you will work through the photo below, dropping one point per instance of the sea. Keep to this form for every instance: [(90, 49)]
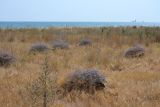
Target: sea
[(19, 25)]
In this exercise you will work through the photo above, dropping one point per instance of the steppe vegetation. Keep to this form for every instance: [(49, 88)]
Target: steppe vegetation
[(35, 80)]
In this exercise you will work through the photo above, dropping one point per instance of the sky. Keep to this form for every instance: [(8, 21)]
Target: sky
[(80, 10)]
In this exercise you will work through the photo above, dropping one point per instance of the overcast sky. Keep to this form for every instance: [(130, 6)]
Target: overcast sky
[(80, 10)]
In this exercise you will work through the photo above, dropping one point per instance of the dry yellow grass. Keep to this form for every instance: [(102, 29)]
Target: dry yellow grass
[(131, 82)]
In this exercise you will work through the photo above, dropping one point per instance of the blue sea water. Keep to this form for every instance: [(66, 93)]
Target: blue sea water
[(17, 25)]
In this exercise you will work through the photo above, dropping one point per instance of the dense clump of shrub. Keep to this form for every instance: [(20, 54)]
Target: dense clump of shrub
[(84, 80), (84, 42), (136, 51), (60, 44), (39, 47), (6, 58)]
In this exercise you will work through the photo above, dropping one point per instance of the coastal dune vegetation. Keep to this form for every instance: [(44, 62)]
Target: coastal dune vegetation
[(35, 80)]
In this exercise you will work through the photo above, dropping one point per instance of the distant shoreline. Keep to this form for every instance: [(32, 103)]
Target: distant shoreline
[(17, 25)]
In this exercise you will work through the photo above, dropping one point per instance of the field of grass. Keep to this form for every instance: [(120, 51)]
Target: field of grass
[(130, 82)]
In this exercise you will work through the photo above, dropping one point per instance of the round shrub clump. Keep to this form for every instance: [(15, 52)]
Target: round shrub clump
[(84, 80), (39, 47), (136, 51), (85, 42), (6, 58), (60, 44)]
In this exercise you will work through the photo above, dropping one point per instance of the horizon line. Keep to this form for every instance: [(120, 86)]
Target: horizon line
[(91, 21)]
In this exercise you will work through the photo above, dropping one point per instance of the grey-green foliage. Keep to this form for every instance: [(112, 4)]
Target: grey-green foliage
[(43, 89)]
